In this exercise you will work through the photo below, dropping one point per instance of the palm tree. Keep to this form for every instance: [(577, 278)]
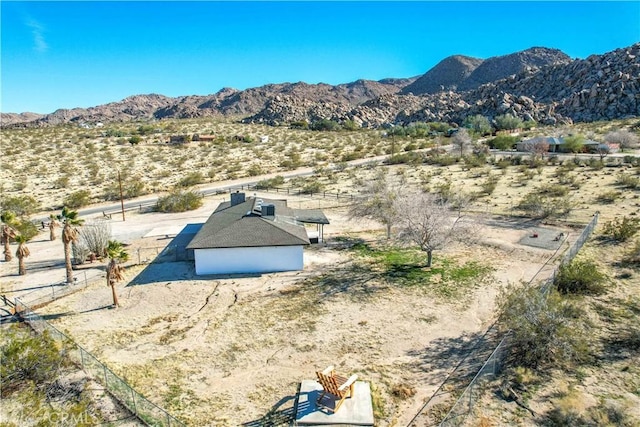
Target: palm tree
[(69, 219), (116, 254), (53, 223), (22, 252), (8, 232)]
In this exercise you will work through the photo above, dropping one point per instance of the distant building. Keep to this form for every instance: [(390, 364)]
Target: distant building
[(197, 137), (556, 144), (179, 139)]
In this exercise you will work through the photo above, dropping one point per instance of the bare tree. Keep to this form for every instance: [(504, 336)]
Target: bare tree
[(377, 201), (602, 150), (430, 222), (462, 140), (623, 137), (537, 147)]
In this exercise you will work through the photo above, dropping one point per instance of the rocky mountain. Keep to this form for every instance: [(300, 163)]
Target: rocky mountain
[(538, 84), (601, 87), (226, 102), (500, 67), (447, 75)]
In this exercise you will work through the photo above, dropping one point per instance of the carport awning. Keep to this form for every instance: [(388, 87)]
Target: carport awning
[(310, 216)]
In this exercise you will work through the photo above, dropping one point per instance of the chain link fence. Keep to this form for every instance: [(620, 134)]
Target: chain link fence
[(492, 367), (146, 411), (466, 401)]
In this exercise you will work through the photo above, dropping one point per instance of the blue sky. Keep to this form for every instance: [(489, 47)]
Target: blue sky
[(81, 54)]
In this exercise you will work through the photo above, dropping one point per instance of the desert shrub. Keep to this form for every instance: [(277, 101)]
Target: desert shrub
[(301, 124), (325, 125), (507, 121), (580, 277), (20, 205), (266, 184), (541, 206), (62, 182), (131, 189), (503, 163), (608, 197), (474, 161), (621, 230), (553, 190), (633, 255), (596, 164), (502, 142), (411, 158), (194, 178), (27, 358), (254, 170), (544, 329), (444, 160), (179, 201), (77, 199), (145, 129), (347, 157), (564, 416), (490, 184), (134, 140), (628, 181), (311, 186), (93, 237)]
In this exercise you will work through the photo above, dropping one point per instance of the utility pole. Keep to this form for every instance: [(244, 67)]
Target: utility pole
[(121, 198)]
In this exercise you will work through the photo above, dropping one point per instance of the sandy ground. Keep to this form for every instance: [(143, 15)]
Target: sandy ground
[(227, 350)]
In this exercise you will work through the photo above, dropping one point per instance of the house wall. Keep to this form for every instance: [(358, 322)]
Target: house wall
[(264, 259)]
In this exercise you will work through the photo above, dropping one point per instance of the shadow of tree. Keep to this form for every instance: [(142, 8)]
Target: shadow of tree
[(283, 413)]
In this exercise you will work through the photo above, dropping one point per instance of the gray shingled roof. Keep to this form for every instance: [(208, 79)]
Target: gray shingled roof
[(242, 226)]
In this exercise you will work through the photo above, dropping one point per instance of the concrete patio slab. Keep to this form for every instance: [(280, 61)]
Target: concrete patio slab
[(355, 411)]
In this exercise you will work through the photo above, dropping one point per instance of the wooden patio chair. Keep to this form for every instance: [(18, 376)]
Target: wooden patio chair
[(336, 385)]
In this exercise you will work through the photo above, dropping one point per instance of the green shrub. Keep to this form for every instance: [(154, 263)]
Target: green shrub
[(621, 230), (411, 158), (325, 125), (20, 205), (301, 124), (274, 182), (194, 178), (27, 358), (628, 181), (544, 328), (490, 184), (77, 199), (541, 206), (503, 142), (580, 277), (254, 170), (608, 197), (553, 190), (179, 201), (633, 255), (311, 187)]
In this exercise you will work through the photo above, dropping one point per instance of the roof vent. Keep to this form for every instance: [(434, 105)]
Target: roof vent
[(237, 198), (268, 210)]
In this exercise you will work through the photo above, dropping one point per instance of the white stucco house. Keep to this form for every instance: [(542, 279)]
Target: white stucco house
[(253, 235)]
